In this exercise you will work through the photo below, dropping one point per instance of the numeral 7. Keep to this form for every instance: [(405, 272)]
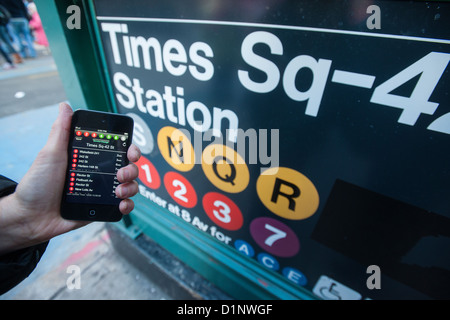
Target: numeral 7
[(277, 235)]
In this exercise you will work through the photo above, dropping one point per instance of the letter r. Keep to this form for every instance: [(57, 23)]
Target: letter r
[(290, 197)]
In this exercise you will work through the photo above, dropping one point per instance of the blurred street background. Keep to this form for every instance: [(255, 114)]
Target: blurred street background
[(30, 94), (112, 264)]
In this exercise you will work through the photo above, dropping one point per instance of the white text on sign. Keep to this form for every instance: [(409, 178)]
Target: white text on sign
[(197, 60)]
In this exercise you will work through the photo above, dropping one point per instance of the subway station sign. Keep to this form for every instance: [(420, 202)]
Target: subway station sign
[(310, 136)]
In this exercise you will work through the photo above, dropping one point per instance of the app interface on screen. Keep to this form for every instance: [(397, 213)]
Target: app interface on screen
[(94, 159)]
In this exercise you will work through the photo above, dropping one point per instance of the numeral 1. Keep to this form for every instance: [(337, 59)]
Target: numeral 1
[(146, 169)]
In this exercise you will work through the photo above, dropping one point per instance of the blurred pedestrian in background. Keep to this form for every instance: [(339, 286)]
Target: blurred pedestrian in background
[(5, 40), (36, 26), (19, 23), (9, 64)]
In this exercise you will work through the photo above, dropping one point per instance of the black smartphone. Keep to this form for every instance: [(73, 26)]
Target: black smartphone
[(98, 146)]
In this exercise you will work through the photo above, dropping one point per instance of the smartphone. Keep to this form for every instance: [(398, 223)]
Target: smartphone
[(98, 146)]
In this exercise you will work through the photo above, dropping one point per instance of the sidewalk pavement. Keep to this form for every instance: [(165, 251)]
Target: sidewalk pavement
[(104, 273), (43, 63)]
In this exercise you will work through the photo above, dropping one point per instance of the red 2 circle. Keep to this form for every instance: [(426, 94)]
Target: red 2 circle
[(180, 189), (222, 211)]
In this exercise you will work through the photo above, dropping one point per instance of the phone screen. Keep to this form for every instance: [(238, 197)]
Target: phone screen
[(97, 149), (94, 159)]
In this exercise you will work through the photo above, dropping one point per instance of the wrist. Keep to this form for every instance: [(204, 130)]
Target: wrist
[(13, 231)]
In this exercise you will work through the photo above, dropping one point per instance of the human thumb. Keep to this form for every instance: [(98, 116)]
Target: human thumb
[(59, 134)]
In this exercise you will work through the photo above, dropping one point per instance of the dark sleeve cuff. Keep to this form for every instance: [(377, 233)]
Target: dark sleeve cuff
[(7, 186), (16, 266)]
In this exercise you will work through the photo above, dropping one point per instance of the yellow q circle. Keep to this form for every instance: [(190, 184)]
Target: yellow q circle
[(287, 193), (225, 168), (176, 148)]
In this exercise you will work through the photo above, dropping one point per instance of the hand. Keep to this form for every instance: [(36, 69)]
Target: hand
[(31, 214), (127, 176)]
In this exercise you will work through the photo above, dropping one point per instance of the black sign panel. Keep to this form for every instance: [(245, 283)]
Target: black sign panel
[(310, 136)]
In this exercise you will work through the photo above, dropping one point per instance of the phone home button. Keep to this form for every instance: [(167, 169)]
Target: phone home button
[(92, 213)]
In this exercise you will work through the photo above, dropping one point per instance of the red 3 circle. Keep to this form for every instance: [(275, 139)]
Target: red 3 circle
[(222, 211)]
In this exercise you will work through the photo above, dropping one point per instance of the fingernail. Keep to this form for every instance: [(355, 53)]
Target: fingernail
[(124, 174), (124, 206), (123, 191), (136, 154)]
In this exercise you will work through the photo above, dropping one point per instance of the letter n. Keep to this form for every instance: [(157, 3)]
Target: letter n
[(171, 147)]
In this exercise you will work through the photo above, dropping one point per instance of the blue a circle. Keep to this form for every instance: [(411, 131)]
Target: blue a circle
[(295, 276), (244, 247)]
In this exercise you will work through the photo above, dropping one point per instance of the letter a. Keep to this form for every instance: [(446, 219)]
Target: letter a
[(374, 281), (74, 21), (374, 21), (74, 280)]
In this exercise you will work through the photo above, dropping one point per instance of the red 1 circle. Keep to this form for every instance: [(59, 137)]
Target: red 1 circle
[(222, 211), (148, 173), (180, 189)]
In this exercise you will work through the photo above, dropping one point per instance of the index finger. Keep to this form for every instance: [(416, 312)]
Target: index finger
[(134, 153)]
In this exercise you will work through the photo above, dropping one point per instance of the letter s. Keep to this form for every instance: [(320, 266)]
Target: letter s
[(138, 135), (260, 63), (201, 61), (129, 102)]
